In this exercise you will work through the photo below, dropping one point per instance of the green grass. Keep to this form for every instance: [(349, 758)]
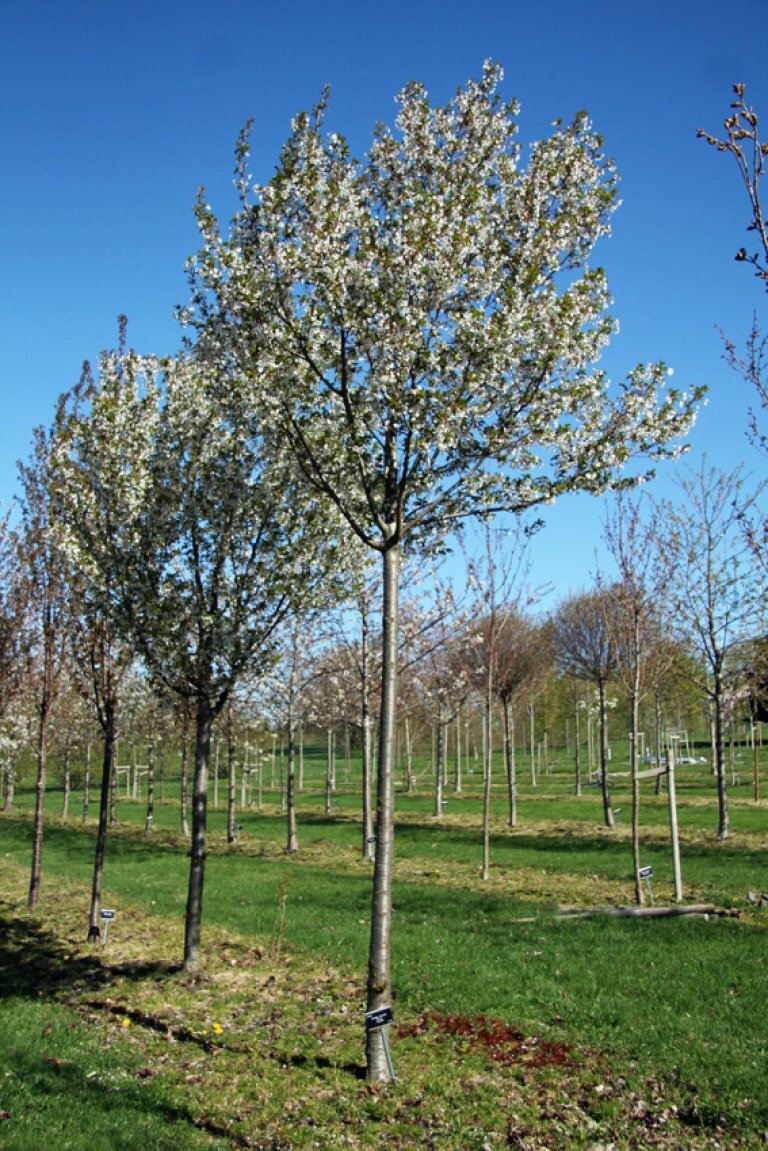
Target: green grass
[(670, 1014)]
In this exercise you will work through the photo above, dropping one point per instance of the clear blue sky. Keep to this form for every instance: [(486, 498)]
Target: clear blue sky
[(113, 115)]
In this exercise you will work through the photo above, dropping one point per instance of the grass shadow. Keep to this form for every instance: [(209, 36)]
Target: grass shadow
[(35, 962)]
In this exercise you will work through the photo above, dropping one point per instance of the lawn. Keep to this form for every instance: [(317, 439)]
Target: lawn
[(513, 1027)]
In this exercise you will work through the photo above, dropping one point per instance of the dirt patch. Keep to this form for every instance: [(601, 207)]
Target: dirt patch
[(503, 1044)]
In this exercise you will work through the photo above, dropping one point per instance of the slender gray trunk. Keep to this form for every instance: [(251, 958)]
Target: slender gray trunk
[(487, 777), (107, 774), (577, 749), (365, 720), (457, 778), (724, 818), (329, 771), (113, 789), (509, 759), (409, 776), (607, 809), (379, 990), (442, 753), (67, 784), (185, 780), (37, 828), (633, 769), (673, 828), (657, 740), (292, 846), (368, 838), (301, 756), (10, 776), (283, 796), (149, 818), (231, 777), (87, 781), (194, 916)]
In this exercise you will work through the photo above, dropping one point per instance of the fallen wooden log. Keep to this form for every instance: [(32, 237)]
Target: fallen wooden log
[(693, 909)]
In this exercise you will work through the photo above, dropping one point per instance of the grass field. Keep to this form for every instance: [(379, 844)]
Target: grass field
[(513, 1027)]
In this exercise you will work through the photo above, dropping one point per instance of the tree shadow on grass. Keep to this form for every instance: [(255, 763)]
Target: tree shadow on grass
[(108, 1106), (34, 962)]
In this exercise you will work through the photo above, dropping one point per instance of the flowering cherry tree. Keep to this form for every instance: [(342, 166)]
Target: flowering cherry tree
[(229, 547), (193, 543), (102, 438), (423, 326)]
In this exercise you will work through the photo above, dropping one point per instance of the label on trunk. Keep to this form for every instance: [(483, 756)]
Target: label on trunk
[(379, 1018)]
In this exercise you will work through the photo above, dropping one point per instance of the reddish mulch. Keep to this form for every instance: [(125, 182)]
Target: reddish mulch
[(504, 1044)]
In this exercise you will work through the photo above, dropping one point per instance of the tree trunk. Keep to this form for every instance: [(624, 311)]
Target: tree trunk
[(101, 833), (203, 723), (281, 774), (292, 846), (231, 777), (66, 784), (150, 816), (113, 789), (485, 873), (87, 781), (409, 776), (607, 809), (509, 760), (365, 720), (185, 780), (442, 748), (657, 738), (457, 778), (673, 829), (10, 775), (577, 750), (301, 756), (724, 819), (633, 768), (37, 829), (379, 989), (329, 771)]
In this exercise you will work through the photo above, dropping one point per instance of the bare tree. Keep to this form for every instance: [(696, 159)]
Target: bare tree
[(45, 584), (743, 143), (637, 620), (718, 597), (285, 698), (584, 647), (523, 658), (437, 665), (498, 577)]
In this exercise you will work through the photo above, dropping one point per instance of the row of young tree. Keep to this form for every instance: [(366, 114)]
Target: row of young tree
[(377, 351), (660, 627)]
